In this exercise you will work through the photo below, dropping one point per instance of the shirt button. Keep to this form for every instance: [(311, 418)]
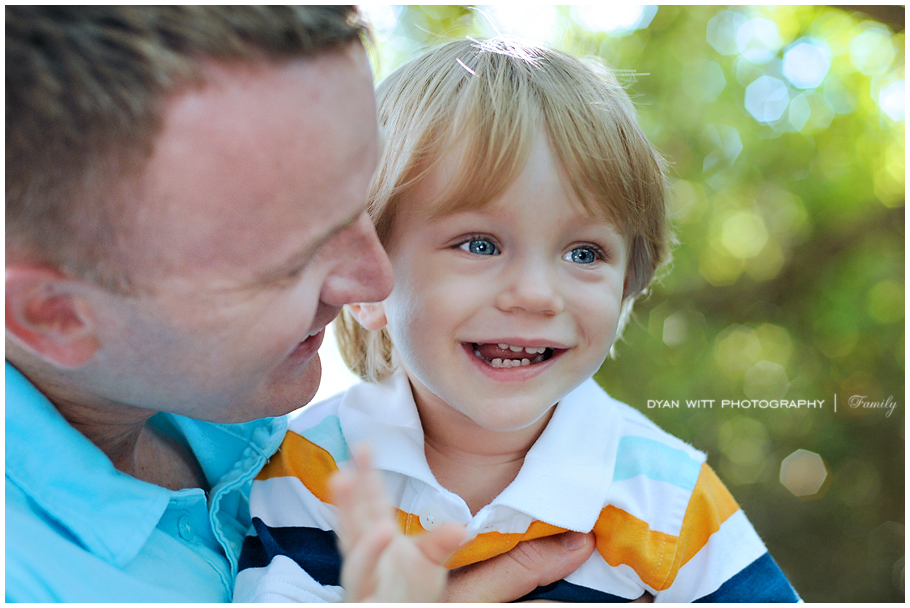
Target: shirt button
[(430, 518), (185, 528)]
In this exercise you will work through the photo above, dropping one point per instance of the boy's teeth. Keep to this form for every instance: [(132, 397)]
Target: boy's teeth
[(499, 355), (517, 349), (507, 363)]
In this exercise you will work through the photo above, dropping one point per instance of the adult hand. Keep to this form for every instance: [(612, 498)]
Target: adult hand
[(530, 564)]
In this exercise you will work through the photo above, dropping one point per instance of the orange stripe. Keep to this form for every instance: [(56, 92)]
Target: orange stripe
[(656, 556), (483, 546), (410, 523), (490, 544), (303, 459), (710, 506), (622, 538)]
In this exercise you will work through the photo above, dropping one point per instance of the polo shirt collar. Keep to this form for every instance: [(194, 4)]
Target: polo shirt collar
[(566, 475), (111, 513), (384, 416)]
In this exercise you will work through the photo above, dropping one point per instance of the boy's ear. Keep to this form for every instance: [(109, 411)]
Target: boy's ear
[(371, 315), (47, 314)]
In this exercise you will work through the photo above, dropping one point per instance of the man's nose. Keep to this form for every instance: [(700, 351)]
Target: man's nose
[(362, 271)]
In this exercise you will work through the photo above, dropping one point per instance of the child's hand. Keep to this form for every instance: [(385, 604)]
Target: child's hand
[(381, 564)]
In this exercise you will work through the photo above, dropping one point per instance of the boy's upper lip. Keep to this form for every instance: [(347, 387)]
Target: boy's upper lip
[(524, 342)]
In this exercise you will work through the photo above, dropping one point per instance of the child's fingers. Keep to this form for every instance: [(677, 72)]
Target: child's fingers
[(342, 486), (370, 492), (380, 562), (439, 544), (359, 495), (358, 574)]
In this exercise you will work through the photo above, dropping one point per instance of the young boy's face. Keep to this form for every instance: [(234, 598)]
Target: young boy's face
[(531, 271)]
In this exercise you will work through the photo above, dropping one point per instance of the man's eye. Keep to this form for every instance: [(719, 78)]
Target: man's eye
[(584, 255), (480, 247)]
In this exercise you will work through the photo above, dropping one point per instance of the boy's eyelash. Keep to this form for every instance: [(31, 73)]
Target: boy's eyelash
[(475, 237), (598, 251)]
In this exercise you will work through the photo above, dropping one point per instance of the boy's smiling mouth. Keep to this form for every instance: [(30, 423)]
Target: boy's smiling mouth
[(502, 355)]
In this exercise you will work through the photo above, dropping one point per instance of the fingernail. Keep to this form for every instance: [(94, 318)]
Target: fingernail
[(573, 540)]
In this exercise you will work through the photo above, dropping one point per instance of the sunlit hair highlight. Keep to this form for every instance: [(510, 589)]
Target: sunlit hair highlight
[(486, 102)]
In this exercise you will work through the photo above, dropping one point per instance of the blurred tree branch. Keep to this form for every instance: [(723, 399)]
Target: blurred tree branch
[(826, 246), (890, 15)]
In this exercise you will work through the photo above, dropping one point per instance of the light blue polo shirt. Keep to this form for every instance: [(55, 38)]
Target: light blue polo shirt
[(78, 530)]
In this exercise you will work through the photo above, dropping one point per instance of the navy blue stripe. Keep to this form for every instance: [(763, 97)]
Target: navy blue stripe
[(760, 581), (564, 591), (315, 550)]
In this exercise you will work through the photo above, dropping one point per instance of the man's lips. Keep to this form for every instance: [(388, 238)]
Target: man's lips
[(308, 347)]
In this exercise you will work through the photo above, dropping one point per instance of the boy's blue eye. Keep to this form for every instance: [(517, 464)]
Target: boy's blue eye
[(480, 247), (582, 255)]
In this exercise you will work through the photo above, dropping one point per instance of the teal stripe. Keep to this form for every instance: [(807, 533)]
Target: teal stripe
[(327, 435), (655, 460)]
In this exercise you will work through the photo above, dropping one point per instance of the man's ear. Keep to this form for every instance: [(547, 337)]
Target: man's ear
[(371, 315), (47, 313)]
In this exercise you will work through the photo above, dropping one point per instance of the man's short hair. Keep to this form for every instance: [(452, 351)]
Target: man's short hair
[(84, 90)]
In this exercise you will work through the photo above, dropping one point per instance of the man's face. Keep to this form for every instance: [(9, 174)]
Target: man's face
[(250, 236)]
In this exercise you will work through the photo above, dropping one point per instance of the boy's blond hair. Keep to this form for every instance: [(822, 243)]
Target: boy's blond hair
[(488, 100)]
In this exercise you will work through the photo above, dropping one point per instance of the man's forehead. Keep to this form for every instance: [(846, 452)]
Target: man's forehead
[(261, 165)]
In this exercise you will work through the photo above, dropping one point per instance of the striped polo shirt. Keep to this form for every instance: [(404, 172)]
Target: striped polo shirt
[(662, 520)]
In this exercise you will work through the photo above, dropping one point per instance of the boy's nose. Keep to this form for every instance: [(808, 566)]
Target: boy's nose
[(531, 288)]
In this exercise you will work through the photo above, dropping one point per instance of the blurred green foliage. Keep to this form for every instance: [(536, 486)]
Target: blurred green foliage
[(784, 126)]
